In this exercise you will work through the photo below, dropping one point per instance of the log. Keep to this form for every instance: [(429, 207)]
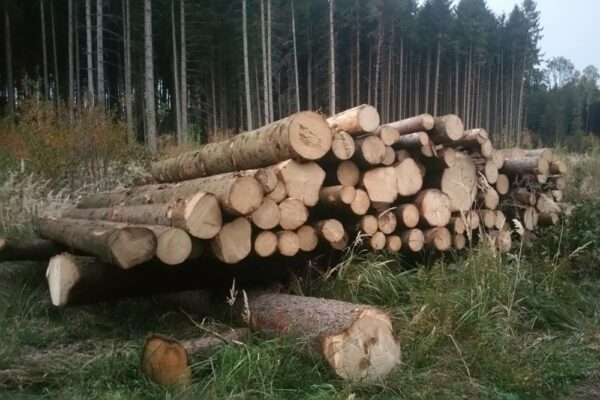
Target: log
[(545, 153), (558, 167), (393, 243), (337, 196), (497, 158), (459, 182), (279, 193), (168, 362), (472, 139), (288, 243), (445, 158), (347, 173), (308, 238), (472, 219), (515, 152), (387, 222), (489, 198), (434, 207), (457, 225), (446, 129), (548, 219), (199, 215), (267, 216), (557, 195), (28, 249), (357, 120), (459, 242), (412, 141), (265, 244), (368, 225), (123, 247), (502, 184), (408, 177), (381, 184), (387, 134), (557, 182), (526, 166), (173, 245), (566, 209), (488, 218), (377, 241), (370, 151), (500, 240), (233, 243), (523, 196), (407, 215), (423, 122), (330, 229), (361, 203), (530, 218), (490, 172), (341, 244), (293, 214), (546, 204), (487, 149), (500, 220), (413, 240), (302, 136), (342, 148), (303, 181), (390, 156), (438, 239)]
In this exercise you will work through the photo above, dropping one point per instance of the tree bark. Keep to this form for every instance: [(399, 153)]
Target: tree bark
[(331, 61), (44, 52), (28, 249), (355, 121), (177, 102), (70, 99), (54, 54), (183, 66), (10, 85), (423, 122), (123, 247), (100, 52), (264, 63), (296, 83), (249, 124), (150, 109)]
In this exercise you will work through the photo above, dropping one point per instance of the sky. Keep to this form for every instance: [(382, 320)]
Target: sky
[(571, 28)]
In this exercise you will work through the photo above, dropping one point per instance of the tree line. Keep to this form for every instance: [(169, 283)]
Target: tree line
[(207, 68)]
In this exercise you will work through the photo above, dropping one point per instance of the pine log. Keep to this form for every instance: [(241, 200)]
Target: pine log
[(381, 184), (302, 180), (487, 149), (566, 209), (370, 151), (407, 215), (337, 196), (361, 203), (123, 247), (377, 241), (199, 215), (265, 244), (393, 243), (515, 152), (445, 158), (526, 166), (367, 225), (267, 216), (545, 153), (530, 218), (357, 120), (488, 218), (497, 158), (459, 182), (308, 238), (402, 155), (457, 225), (489, 198), (438, 239), (500, 220), (387, 222), (412, 141), (558, 167), (546, 204), (279, 193), (293, 214), (390, 156), (233, 243), (472, 219), (490, 172), (423, 122), (173, 245), (412, 240), (387, 134), (28, 249), (330, 229), (459, 242), (523, 196), (447, 128), (434, 207), (500, 240), (472, 139), (342, 148), (408, 177), (168, 362), (557, 182), (502, 184), (347, 173), (548, 219), (288, 243), (557, 195), (302, 136), (341, 244)]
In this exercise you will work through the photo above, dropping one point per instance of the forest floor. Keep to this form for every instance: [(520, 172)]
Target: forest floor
[(472, 325)]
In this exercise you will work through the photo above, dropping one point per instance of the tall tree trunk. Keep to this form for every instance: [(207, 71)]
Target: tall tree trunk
[(71, 77), (427, 80), (436, 82), (77, 57), (456, 83), (378, 62), (257, 93), (150, 112), (246, 69), (183, 66), (127, 58), (388, 85), (521, 95), (214, 94), (264, 63), (177, 102), (100, 51), (296, 84), (511, 104), (369, 85), (331, 61), (9, 71), (44, 55), (54, 53), (89, 50), (269, 61), (401, 81), (358, 80), (309, 79)]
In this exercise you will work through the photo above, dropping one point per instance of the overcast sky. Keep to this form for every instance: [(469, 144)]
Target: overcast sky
[(571, 28)]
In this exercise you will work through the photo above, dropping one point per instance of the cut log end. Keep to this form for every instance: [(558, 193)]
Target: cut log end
[(288, 243), (174, 245), (246, 195), (342, 147), (434, 207), (366, 351), (309, 135), (265, 244), (348, 173), (308, 238), (393, 243), (331, 229), (165, 361), (132, 246), (203, 216), (361, 203), (234, 242), (267, 216), (438, 239), (61, 275), (408, 177), (293, 214), (408, 215)]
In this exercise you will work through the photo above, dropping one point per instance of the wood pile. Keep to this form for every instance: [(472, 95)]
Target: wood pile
[(299, 186)]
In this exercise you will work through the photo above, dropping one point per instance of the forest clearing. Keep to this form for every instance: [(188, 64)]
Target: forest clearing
[(300, 200)]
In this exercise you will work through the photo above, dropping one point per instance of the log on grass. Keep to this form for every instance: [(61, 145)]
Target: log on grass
[(168, 362), (199, 214), (434, 207), (357, 120), (500, 240), (393, 243), (377, 241), (233, 243), (423, 122), (301, 136), (28, 249), (412, 240), (303, 181), (459, 242), (526, 166), (446, 129), (123, 247)]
